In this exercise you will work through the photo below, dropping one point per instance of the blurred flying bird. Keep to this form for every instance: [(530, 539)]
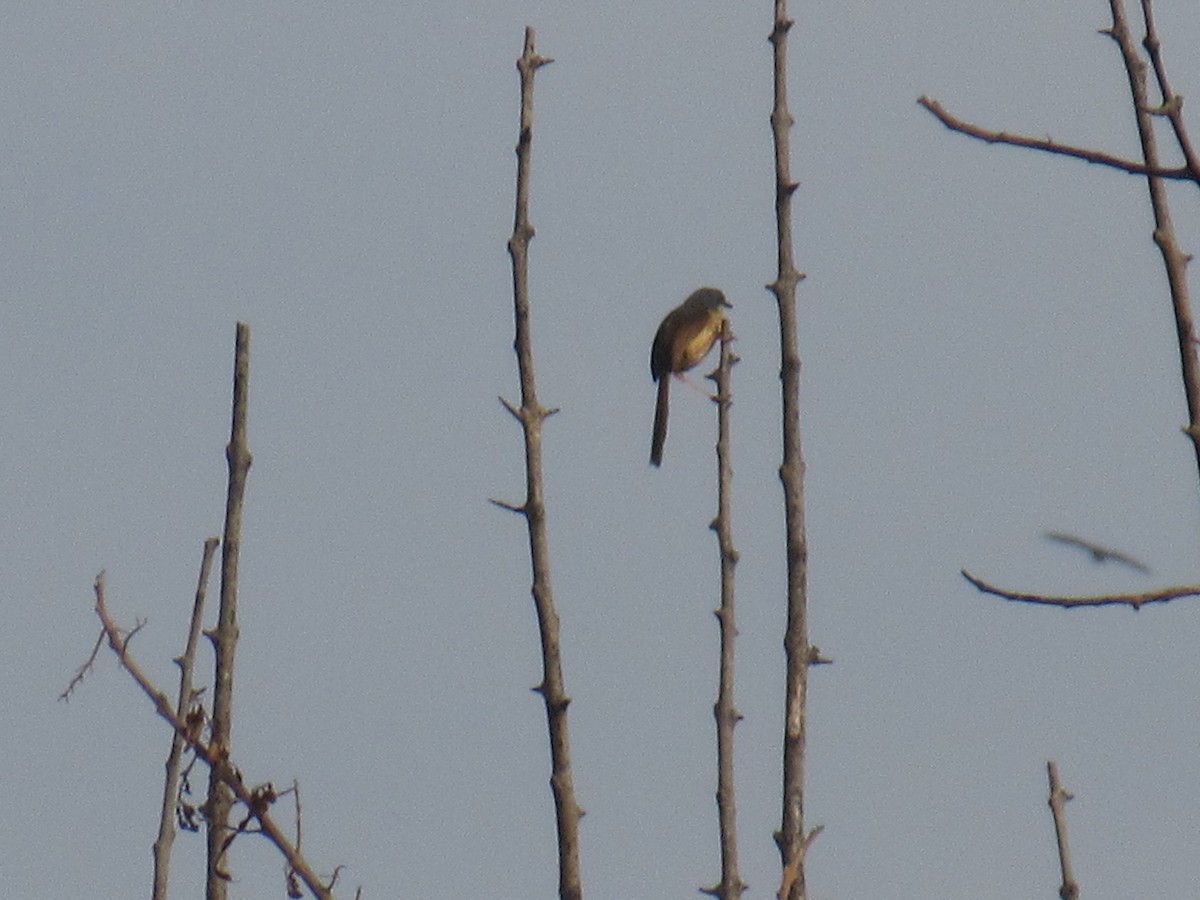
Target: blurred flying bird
[(1099, 554)]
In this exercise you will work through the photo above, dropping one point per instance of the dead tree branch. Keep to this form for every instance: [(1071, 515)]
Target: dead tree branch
[(531, 415), (790, 836), (183, 709), (1137, 601), (225, 638), (731, 886), (792, 870), (257, 801), (1174, 259), (1048, 145), (82, 671), (1058, 802), (1170, 106), (1172, 103)]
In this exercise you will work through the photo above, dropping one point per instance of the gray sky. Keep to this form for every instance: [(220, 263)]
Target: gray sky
[(988, 354)]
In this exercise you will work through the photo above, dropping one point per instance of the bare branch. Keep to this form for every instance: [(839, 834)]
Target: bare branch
[(215, 756), (1135, 600), (77, 679), (292, 882), (792, 870), (225, 638), (531, 414), (1058, 801), (1175, 261), (1047, 145), (790, 836), (731, 885), (183, 708), (1172, 103)]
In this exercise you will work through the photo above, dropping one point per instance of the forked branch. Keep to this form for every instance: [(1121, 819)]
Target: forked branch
[(257, 801), (1168, 105)]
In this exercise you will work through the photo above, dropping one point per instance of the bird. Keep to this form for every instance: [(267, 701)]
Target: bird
[(1099, 554), (683, 339)]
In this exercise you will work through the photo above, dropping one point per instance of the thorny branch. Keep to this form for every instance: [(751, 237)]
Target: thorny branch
[(531, 414), (1058, 802), (256, 800), (1137, 601), (1048, 145)]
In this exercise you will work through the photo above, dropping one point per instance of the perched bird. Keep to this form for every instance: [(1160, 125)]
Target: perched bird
[(683, 339)]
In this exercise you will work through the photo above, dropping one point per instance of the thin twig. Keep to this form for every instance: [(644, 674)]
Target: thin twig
[(531, 414), (225, 638), (731, 886), (166, 820), (215, 756), (77, 678), (1046, 145), (1135, 600), (790, 836), (290, 878), (1058, 801)]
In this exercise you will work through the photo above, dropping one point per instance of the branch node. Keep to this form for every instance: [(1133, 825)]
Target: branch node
[(513, 411)]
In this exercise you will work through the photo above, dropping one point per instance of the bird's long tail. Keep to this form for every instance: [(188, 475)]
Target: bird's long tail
[(660, 419)]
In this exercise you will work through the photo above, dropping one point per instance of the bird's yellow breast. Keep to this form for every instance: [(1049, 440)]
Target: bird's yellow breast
[(695, 339)]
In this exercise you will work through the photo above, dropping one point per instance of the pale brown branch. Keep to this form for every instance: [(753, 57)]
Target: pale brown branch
[(1046, 145), (1172, 103), (1058, 801), (215, 756), (1135, 600), (1175, 261), (731, 885), (790, 836), (170, 801), (290, 878), (531, 414), (225, 637), (792, 870)]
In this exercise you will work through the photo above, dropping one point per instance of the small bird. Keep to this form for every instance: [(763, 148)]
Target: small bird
[(1099, 554), (683, 339)]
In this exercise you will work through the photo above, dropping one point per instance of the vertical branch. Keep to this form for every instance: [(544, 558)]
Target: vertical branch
[(186, 663), (1172, 103), (726, 714), (1174, 259), (790, 838), (237, 454), (1058, 802), (531, 415)]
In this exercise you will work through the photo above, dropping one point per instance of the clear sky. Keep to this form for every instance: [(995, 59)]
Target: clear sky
[(988, 354)]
